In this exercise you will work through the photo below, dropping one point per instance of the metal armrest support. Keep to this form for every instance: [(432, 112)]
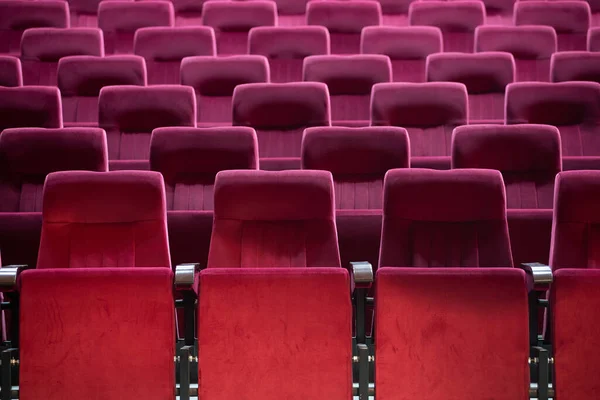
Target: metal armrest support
[(185, 359), (364, 361), (9, 359), (186, 282), (362, 278), (539, 276), (362, 274), (539, 279), (186, 275), (9, 276), (542, 360)]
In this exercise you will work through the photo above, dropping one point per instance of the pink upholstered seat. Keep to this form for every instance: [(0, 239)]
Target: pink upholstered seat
[(575, 66), (10, 71), (30, 106), (593, 39)]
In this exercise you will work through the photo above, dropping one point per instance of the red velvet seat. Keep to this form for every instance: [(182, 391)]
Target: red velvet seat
[(80, 79), (469, 311), (532, 56), (214, 80), (18, 15), (529, 157), (286, 48), (286, 220), (280, 112), (30, 106), (407, 48), (163, 48), (573, 107), (349, 80), (232, 20), (428, 111), (570, 19), (27, 155), (283, 303), (10, 71), (189, 159), (42, 48), (344, 20), (129, 114), (575, 66), (456, 19), (436, 219), (593, 39), (120, 19)]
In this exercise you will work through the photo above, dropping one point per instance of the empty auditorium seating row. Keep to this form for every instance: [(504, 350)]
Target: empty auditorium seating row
[(109, 252)]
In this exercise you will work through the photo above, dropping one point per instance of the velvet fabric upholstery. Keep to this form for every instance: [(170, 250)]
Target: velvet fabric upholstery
[(575, 66), (484, 74), (456, 19), (280, 112), (18, 15), (344, 20), (574, 301), (428, 111), (120, 19), (358, 158), (573, 107), (407, 47), (570, 20), (80, 79), (532, 56), (66, 314), (467, 311), (530, 232), (438, 219), (10, 71), (528, 156), (163, 48), (286, 47), (30, 106), (282, 303), (349, 79), (499, 12), (214, 80), (42, 48), (119, 220), (286, 220), (593, 39), (575, 227), (130, 113), (232, 20)]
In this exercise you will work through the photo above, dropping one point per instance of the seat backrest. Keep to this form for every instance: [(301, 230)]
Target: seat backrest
[(30, 106), (528, 156), (466, 309), (286, 220), (563, 16), (129, 114), (96, 306), (593, 39), (10, 71), (80, 79), (401, 43), (27, 155), (272, 297), (540, 43), (455, 16), (435, 219), (575, 66), (575, 228), (118, 220), (358, 158), (190, 158)]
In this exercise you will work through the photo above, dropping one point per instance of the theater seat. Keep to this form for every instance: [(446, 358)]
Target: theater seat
[(484, 74), (163, 48), (280, 112), (570, 20), (214, 80), (30, 106), (456, 19), (532, 56), (286, 48), (42, 48), (286, 220), (189, 159), (407, 48), (27, 155), (291, 12), (593, 39), (129, 114), (344, 21), (349, 80), (80, 79), (120, 19), (428, 111), (575, 66), (434, 219), (10, 71), (84, 13), (232, 20)]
